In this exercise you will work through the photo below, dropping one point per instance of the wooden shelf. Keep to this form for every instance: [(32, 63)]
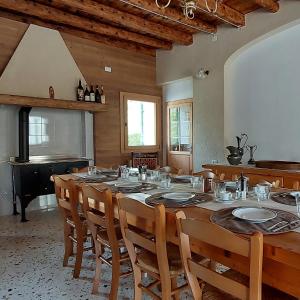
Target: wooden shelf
[(51, 103)]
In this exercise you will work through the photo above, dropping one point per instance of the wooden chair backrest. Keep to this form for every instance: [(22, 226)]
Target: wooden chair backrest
[(206, 174), (214, 235), (155, 220), (67, 199), (99, 210), (274, 184)]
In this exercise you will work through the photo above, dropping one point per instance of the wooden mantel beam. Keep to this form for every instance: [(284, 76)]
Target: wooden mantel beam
[(172, 14), (53, 15), (224, 12), (130, 21), (105, 40), (269, 5)]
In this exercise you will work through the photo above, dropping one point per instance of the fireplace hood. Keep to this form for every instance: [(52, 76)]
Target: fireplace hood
[(41, 60)]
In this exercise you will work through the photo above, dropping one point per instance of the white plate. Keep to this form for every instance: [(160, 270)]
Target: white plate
[(108, 171), (178, 196), (87, 176), (254, 214), (225, 201), (184, 177), (128, 184), (295, 194)]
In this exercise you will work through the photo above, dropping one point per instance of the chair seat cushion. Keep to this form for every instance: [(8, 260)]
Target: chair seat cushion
[(268, 293)]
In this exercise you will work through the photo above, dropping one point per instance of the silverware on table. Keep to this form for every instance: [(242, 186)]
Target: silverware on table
[(277, 224), (292, 223)]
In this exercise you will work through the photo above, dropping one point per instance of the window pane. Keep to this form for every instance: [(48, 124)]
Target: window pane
[(174, 129), (38, 130), (35, 129), (35, 119), (141, 123), (35, 140)]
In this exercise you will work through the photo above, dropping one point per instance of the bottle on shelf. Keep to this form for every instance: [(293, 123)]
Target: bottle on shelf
[(102, 95), (97, 95), (86, 94), (92, 94), (80, 92)]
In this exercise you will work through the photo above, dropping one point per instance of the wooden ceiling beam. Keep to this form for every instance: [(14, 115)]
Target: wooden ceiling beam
[(223, 12), (105, 40), (53, 15), (172, 14), (269, 5), (130, 21)]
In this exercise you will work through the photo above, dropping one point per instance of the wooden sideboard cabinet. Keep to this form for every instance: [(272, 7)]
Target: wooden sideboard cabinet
[(287, 178)]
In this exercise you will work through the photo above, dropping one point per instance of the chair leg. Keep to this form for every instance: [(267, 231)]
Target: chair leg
[(115, 277), (137, 281), (166, 294), (97, 271), (174, 286), (79, 253), (68, 244)]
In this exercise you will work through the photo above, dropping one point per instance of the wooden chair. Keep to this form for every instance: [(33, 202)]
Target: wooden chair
[(151, 160), (151, 255), (274, 184), (171, 170), (206, 174), (99, 212), (208, 177), (228, 285), (75, 227)]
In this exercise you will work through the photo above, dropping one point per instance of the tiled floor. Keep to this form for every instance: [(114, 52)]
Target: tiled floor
[(31, 263)]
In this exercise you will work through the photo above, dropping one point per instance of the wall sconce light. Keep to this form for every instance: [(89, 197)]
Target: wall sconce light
[(202, 74)]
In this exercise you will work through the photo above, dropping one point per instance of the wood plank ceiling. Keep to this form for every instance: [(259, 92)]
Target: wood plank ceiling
[(136, 25)]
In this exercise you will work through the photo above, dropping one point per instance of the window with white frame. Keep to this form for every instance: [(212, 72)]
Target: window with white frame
[(140, 115), (38, 131)]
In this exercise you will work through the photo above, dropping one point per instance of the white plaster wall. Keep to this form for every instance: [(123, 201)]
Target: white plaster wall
[(40, 60), (262, 94), (178, 89), (185, 61)]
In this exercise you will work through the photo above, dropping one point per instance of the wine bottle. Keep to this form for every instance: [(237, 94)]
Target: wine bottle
[(80, 92), (86, 94), (97, 95), (102, 95), (92, 94)]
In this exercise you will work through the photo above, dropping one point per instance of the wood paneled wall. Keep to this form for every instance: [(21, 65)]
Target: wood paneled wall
[(131, 72), (11, 33)]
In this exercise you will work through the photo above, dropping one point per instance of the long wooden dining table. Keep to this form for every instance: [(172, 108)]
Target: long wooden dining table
[(281, 261)]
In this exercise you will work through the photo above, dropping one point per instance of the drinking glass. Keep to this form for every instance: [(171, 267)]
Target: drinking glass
[(197, 182), (165, 181), (124, 172), (262, 192), (298, 204), (92, 170), (219, 188), (154, 175)]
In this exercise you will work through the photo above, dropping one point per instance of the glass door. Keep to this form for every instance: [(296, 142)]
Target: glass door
[(180, 135), (180, 127)]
